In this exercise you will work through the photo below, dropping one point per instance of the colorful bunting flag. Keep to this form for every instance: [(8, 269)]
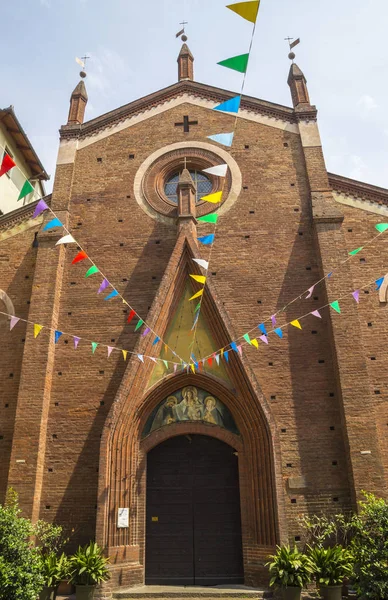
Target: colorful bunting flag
[(279, 332), (273, 320), (217, 357), (233, 345), (236, 63), (199, 278), (310, 292), (335, 305), (81, 256), (37, 329), (140, 357), (39, 208), (52, 224), (103, 286), (66, 239), (197, 307), (218, 170), (76, 341), (381, 227), (26, 189), (226, 139), (226, 355), (356, 251), (232, 105), (156, 341), (146, 331), (57, 335), (247, 338), (192, 367), (197, 295), (165, 364), (239, 348), (110, 349), (125, 352), (213, 198), (246, 10), (264, 339), (316, 313), (379, 282), (208, 218), (356, 295), (255, 343), (6, 164), (202, 263), (111, 295), (131, 315), (91, 271), (94, 347), (262, 328), (175, 367), (206, 239), (14, 321), (139, 324), (296, 324)]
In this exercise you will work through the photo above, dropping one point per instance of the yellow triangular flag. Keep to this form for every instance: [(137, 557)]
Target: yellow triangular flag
[(197, 295), (222, 352), (37, 329), (213, 198), (192, 367), (199, 278), (125, 352), (296, 324), (255, 343), (246, 10)]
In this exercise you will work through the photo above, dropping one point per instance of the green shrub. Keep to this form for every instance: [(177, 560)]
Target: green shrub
[(20, 562), (370, 549), (54, 569), (88, 566), (290, 568), (332, 565)]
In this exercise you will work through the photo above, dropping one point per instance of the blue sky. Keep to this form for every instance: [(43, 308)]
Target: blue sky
[(133, 52)]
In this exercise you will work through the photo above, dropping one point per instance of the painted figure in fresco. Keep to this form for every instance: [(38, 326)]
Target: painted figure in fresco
[(211, 413), (190, 409), (166, 413)]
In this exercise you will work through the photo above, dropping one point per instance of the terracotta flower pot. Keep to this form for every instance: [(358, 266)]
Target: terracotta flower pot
[(331, 592), (291, 593), (48, 593), (84, 592)]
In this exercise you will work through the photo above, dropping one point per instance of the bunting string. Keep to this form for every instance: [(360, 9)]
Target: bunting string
[(249, 11)]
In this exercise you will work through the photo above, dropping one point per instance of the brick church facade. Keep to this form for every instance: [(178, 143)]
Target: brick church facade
[(309, 412)]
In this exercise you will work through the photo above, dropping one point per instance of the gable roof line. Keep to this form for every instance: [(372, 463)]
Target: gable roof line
[(192, 88), (360, 189)]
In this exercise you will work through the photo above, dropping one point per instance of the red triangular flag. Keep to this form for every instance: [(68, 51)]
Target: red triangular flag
[(7, 164), (131, 315), (80, 256)]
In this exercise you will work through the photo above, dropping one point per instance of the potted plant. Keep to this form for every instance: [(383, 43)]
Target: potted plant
[(290, 570), (88, 568), (332, 566), (54, 569)]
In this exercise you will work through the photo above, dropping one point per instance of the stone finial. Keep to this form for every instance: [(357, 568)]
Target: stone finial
[(78, 103), (185, 64), (298, 85), (186, 193)]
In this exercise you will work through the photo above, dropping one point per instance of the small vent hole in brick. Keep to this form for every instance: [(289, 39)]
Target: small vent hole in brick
[(297, 538), (56, 403), (369, 324), (99, 159), (121, 245), (366, 291), (316, 298), (283, 430), (50, 470), (131, 156), (1, 437), (113, 340), (289, 465), (59, 373), (259, 302), (101, 373), (292, 184), (102, 403), (48, 506), (300, 232), (55, 437), (246, 146), (334, 463), (28, 302), (373, 358), (308, 268), (273, 397), (245, 187), (73, 283), (331, 394), (377, 392), (79, 224), (285, 144), (69, 314), (321, 361), (157, 241), (362, 259), (314, 332), (66, 341), (27, 277), (87, 199), (11, 375), (332, 428), (293, 500), (6, 405), (125, 311), (270, 364), (214, 273), (247, 237), (120, 220), (128, 197), (350, 230), (335, 499), (251, 212), (296, 209)]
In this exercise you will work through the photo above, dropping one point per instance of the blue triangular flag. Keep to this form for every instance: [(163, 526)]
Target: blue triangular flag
[(57, 335), (226, 139), (156, 340), (233, 345), (226, 355), (262, 328), (51, 224), (111, 295), (278, 332), (232, 105), (206, 239), (379, 282)]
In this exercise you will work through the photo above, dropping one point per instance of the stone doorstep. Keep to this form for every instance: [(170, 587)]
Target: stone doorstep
[(206, 593)]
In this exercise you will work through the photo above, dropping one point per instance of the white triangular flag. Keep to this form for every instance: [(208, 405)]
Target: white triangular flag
[(66, 239), (201, 262), (218, 170), (80, 62)]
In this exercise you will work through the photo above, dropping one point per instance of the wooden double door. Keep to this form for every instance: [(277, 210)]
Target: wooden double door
[(193, 520)]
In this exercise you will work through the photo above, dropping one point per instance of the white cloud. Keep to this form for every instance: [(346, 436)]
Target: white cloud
[(367, 103)]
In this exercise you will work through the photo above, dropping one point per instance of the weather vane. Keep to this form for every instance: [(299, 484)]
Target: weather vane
[(82, 61), (292, 45), (182, 31)]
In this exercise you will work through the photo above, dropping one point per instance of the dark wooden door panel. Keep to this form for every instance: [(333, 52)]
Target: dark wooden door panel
[(193, 513)]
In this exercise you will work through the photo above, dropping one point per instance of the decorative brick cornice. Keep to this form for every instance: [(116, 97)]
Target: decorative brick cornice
[(191, 88), (21, 214), (358, 189)]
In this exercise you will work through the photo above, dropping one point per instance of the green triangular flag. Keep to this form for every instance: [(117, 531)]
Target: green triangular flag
[(140, 323), (208, 218), (197, 307), (356, 251), (91, 271), (94, 346), (237, 63), (165, 364), (381, 227), (336, 306), (26, 189), (247, 338)]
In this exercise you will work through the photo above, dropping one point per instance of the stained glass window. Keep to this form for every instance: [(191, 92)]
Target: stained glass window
[(202, 183)]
